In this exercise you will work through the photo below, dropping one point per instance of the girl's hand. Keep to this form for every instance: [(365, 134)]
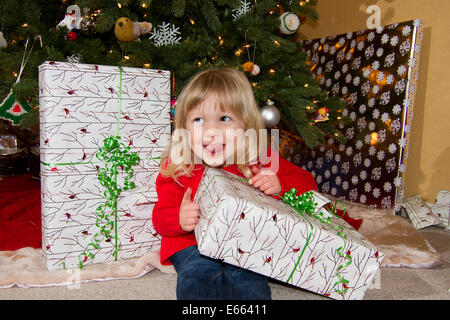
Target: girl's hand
[(265, 180), (189, 212)]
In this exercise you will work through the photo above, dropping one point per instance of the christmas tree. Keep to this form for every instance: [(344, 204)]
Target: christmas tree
[(184, 37)]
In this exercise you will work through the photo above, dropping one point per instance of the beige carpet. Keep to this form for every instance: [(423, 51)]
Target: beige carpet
[(393, 283)]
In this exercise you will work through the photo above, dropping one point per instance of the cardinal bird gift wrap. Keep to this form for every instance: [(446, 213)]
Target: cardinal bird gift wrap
[(313, 250), (103, 129)]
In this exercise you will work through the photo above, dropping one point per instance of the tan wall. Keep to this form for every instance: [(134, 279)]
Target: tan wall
[(428, 165)]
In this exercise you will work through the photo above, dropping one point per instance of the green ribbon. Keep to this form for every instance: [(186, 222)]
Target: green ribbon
[(290, 197), (339, 250), (304, 203), (115, 155)]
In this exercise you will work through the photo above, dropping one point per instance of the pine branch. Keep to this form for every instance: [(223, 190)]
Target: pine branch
[(178, 7), (107, 20), (210, 14)]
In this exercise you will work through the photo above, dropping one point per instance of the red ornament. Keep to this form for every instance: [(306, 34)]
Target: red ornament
[(72, 36), (322, 114)]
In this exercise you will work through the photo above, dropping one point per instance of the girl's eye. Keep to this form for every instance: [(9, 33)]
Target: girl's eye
[(225, 118), (197, 120)]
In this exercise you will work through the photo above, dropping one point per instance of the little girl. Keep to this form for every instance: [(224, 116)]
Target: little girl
[(214, 110)]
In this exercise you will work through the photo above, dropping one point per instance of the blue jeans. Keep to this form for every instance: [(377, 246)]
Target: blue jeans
[(203, 278)]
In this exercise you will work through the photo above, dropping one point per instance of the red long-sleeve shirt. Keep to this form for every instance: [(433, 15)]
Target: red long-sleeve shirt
[(166, 211)]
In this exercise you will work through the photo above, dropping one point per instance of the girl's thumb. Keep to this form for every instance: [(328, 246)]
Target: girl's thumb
[(187, 195)]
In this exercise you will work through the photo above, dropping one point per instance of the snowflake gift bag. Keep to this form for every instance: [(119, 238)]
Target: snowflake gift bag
[(102, 130), (375, 71), (311, 249)]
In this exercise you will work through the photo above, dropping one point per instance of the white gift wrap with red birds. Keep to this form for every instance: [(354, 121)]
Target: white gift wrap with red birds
[(80, 106), (244, 227)]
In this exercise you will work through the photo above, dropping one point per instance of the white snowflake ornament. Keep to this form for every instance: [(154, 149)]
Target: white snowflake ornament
[(165, 34), (243, 8)]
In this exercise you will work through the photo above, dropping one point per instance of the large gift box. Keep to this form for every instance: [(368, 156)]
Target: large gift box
[(98, 123), (317, 251), (376, 72)]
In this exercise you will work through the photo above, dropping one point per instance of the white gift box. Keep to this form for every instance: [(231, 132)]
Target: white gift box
[(443, 198), (244, 227), (442, 213), (80, 106), (442, 208), (419, 213)]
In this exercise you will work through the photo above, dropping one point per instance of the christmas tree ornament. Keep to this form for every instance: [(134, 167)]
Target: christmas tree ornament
[(241, 10), (289, 23), (322, 115), (72, 36), (13, 110), (248, 66), (270, 114), (75, 58), (251, 67), (72, 19), (87, 24), (127, 30), (165, 34), (256, 69)]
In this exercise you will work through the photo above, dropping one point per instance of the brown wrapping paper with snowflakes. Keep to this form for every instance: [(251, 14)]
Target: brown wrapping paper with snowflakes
[(80, 106), (246, 228), (376, 72)]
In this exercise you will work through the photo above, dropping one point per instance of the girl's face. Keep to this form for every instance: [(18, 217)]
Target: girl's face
[(214, 134)]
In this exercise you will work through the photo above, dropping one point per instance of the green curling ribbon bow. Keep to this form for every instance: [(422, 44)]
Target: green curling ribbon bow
[(304, 203), (290, 197), (115, 155), (339, 250)]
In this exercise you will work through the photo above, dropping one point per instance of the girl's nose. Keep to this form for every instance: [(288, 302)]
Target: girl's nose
[(210, 130)]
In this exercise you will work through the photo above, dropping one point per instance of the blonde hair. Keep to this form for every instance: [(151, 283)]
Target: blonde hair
[(233, 93)]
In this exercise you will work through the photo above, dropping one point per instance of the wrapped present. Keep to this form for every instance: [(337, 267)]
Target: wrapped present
[(443, 198), (441, 208), (307, 247), (419, 213), (442, 212), (102, 130), (376, 72)]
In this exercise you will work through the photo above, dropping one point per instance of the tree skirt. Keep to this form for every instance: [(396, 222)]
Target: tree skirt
[(25, 268), (21, 256), (401, 243), (20, 212)]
